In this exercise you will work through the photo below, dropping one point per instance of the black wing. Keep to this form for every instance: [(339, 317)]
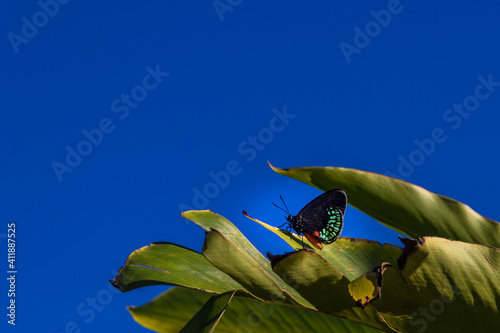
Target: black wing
[(315, 215)]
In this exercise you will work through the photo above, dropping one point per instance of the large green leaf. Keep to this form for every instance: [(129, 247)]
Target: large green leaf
[(170, 264), (170, 312), (308, 273), (402, 206), (447, 286)]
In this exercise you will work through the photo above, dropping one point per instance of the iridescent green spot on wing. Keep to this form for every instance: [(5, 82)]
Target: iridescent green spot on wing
[(333, 228)]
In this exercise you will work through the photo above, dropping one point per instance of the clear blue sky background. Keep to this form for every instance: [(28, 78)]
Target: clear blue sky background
[(358, 101)]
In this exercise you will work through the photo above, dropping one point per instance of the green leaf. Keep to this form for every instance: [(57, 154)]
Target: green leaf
[(209, 220), (170, 312), (402, 206), (170, 264), (315, 279), (207, 318), (447, 286)]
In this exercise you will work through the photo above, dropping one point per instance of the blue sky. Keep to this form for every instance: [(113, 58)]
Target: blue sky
[(115, 114)]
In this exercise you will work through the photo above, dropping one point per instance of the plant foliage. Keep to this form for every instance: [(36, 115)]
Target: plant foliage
[(445, 277)]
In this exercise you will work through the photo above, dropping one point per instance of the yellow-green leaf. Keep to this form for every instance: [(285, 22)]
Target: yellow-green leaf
[(402, 206)]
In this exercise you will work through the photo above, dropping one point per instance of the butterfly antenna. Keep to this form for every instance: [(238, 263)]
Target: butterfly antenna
[(281, 208), (283, 201)]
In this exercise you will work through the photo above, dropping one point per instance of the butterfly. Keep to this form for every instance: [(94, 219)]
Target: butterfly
[(321, 220)]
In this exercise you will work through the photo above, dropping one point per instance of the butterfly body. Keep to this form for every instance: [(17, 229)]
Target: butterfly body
[(321, 220)]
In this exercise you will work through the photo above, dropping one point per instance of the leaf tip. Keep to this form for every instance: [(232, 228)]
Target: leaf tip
[(276, 169), (410, 245), (116, 282)]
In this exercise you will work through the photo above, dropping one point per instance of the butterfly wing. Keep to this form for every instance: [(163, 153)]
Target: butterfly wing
[(324, 215)]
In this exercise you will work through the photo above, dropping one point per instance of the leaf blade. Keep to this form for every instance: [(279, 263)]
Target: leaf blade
[(167, 264), (407, 208)]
